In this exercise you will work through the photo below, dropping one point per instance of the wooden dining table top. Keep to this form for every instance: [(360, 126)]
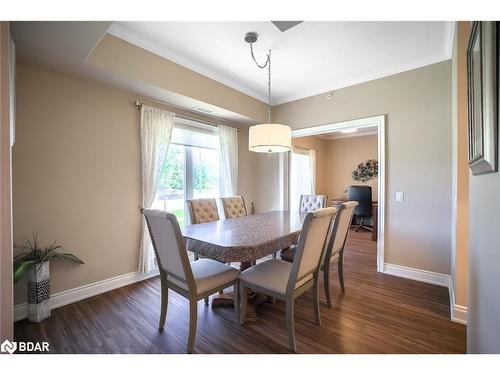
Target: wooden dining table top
[(246, 238)]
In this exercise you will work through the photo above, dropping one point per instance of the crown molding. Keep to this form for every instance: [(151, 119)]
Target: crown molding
[(363, 79), (146, 44)]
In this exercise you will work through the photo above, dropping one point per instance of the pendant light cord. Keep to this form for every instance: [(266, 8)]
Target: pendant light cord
[(268, 64)]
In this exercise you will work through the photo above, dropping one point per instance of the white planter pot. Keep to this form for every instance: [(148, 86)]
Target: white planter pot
[(38, 292)]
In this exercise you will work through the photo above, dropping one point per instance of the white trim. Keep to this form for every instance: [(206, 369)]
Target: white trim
[(342, 136), (449, 34), (379, 122), (328, 87), (458, 313), (140, 41), (76, 294), (144, 43), (417, 274)]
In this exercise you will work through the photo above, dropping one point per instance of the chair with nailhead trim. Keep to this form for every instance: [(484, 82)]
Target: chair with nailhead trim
[(194, 281), (233, 206), (202, 210)]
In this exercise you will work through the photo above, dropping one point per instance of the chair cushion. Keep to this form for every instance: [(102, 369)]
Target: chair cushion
[(272, 274), (289, 254), (209, 274)]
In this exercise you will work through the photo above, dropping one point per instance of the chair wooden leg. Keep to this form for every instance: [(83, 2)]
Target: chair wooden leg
[(290, 324), (193, 317), (237, 300), (326, 283), (341, 272), (164, 304), (243, 302), (316, 300)]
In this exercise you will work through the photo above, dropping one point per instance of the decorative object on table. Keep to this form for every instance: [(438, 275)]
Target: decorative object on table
[(366, 171), (35, 263), (269, 138), (482, 95)]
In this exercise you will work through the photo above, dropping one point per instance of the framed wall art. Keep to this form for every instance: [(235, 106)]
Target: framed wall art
[(482, 86)]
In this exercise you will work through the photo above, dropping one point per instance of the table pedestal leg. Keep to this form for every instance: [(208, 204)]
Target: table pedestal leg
[(253, 299)]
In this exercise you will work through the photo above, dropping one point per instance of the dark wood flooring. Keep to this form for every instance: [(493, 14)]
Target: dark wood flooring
[(377, 314)]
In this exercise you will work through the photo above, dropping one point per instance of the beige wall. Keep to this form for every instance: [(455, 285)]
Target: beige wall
[(126, 60), (418, 150), (336, 159), (76, 178), (320, 145), (6, 295), (343, 156)]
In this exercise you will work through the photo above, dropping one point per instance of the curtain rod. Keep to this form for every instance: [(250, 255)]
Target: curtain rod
[(138, 104)]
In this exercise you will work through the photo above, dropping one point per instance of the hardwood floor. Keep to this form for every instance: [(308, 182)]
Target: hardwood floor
[(377, 314)]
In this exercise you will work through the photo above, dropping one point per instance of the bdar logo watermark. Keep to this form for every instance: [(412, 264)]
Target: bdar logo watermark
[(8, 347), (11, 346)]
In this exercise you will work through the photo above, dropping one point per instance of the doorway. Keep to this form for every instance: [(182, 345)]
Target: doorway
[(301, 160)]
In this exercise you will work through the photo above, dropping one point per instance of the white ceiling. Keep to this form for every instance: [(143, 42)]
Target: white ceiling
[(310, 58)]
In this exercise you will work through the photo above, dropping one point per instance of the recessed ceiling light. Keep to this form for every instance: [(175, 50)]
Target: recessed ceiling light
[(348, 131), (204, 110)]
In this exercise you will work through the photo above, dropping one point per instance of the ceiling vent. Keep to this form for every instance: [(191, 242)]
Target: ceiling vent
[(285, 25)]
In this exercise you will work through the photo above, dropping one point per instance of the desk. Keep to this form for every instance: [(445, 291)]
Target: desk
[(339, 201)]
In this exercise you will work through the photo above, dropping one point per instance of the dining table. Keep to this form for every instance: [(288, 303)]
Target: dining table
[(243, 240)]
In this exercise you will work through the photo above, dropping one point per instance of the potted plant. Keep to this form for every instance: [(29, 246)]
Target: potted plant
[(35, 263)]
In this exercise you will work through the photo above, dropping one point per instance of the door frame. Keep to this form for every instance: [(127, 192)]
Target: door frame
[(378, 121)]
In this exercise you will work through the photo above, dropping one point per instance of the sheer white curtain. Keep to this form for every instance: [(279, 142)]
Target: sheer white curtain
[(312, 163), (228, 149), (156, 131)]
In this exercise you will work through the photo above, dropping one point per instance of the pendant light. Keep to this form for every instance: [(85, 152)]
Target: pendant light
[(269, 138)]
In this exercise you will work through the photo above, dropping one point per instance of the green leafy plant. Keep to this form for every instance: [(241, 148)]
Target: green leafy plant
[(36, 255)]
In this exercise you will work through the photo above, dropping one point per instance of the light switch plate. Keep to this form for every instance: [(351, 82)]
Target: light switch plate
[(400, 196)]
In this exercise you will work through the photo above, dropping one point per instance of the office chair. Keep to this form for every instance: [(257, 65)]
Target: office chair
[(363, 195)]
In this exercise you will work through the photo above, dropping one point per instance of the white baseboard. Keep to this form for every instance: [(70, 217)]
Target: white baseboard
[(418, 275), (458, 313), (72, 295)]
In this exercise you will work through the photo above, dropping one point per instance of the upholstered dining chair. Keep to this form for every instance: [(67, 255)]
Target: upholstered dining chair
[(194, 281), (312, 202), (334, 247), (202, 210), (233, 206), (307, 203), (336, 244), (286, 281)]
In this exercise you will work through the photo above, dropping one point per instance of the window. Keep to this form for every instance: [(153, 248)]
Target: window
[(191, 169), (301, 176)]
